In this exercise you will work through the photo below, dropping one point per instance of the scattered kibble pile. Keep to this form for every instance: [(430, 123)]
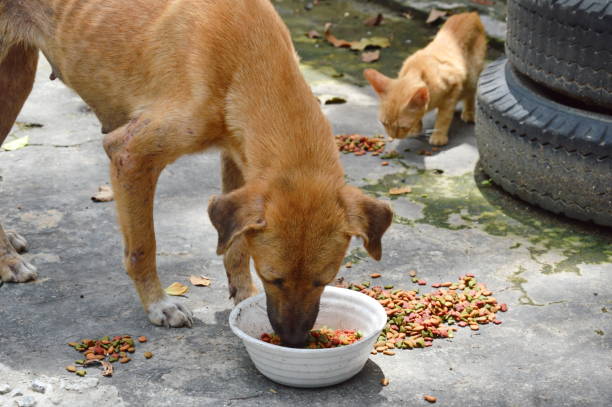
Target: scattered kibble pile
[(414, 321), (321, 338), (359, 145), (105, 351)]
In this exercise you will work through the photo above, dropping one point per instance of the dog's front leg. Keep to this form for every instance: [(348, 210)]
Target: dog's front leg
[(236, 259), (137, 158)]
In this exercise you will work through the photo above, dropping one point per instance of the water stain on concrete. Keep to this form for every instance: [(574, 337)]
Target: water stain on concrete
[(43, 219), (553, 242)]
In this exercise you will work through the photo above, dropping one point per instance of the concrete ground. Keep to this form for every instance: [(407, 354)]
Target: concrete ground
[(554, 347)]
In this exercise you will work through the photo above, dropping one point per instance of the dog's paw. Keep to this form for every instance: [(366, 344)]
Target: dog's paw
[(14, 269), (467, 117), (170, 313), (438, 140), (240, 295), (17, 241)]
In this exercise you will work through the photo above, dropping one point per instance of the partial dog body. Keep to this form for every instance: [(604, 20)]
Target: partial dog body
[(168, 78), (435, 77)]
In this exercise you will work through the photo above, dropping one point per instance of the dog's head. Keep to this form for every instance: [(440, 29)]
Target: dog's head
[(297, 234)]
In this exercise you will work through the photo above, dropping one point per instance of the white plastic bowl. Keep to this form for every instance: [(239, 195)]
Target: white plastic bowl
[(340, 309)]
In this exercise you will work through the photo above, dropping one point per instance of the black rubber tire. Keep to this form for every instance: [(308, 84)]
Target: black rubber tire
[(565, 45), (548, 154)]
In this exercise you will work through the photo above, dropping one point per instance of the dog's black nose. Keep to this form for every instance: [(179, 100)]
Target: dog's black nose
[(295, 339)]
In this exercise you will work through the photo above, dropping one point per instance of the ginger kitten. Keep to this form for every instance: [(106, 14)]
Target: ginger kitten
[(435, 77)]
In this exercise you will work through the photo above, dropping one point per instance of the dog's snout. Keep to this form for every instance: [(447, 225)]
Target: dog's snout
[(294, 339), (293, 324)]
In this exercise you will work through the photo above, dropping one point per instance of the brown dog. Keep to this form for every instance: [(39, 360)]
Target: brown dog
[(168, 78)]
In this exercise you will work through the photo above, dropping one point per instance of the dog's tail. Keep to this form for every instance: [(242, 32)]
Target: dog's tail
[(17, 70)]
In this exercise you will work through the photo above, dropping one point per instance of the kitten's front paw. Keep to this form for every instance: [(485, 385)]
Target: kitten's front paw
[(438, 140), (467, 116)]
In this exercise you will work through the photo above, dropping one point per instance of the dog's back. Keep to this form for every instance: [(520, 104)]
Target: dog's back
[(118, 55)]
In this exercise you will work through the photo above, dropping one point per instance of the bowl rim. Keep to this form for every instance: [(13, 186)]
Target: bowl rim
[(258, 342)]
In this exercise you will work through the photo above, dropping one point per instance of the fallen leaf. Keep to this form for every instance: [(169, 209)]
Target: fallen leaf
[(313, 34), (26, 125), (329, 37), (349, 265), (434, 15), (104, 194), (372, 42), (177, 289), (108, 368), (200, 281), (331, 99), (374, 20), (370, 56), (400, 191), (16, 144)]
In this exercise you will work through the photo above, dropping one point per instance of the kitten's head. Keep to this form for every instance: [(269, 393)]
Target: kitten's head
[(403, 103)]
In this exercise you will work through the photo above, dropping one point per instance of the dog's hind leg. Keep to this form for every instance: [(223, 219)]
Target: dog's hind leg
[(17, 71), (138, 152), (236, 259)]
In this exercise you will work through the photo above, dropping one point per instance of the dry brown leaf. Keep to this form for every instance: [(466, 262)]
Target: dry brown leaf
[(333, 100), (329, 37), (349, 265), (435, 15), (108, 368), (313, 34), (104, 194), (374, 20), (370, 56), (400, 191), (200, 281), (177, 289)]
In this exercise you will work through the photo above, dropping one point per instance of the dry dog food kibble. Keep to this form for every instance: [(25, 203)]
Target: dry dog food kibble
[(359, 145), (321, 338), (105, 351), (414, 321)]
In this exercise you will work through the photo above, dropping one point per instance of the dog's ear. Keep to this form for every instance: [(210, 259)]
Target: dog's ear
[(234, 214), (367, 218)]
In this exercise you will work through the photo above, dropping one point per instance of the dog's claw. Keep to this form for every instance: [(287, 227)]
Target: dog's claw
[(19, 243), (170, 313)]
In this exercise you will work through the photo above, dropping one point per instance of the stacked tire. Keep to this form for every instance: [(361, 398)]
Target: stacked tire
[(544, 114)]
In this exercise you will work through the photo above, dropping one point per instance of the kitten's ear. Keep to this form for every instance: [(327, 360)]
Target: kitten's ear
[(419, 99), (378, 81)]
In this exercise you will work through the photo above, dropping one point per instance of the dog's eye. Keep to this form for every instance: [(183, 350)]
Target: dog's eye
[(278, 282)]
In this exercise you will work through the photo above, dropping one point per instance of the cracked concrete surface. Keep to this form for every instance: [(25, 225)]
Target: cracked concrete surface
[(554, 347)]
